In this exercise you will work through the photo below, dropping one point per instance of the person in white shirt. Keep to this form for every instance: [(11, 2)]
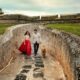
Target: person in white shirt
[(36, 41)]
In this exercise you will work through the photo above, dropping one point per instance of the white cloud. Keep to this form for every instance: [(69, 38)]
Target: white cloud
[(46, 3), (40, 7), (56, 3), (29, 13), (35, 13)]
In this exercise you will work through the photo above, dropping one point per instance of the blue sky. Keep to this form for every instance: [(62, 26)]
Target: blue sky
[(40, 7)]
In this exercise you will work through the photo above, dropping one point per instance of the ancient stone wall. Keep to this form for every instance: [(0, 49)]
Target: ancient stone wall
[(65, 48), (58, 48)]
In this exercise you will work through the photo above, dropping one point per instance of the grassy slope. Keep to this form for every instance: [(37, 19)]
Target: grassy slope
[(72, 28), (3, 27)]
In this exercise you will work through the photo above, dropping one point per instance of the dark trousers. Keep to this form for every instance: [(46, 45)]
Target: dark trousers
[(36, 47)]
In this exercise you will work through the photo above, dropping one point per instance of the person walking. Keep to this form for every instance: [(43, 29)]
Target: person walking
[(36, 41), (25, 47)]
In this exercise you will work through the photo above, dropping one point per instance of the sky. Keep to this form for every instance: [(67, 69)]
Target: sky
[(40, 7)]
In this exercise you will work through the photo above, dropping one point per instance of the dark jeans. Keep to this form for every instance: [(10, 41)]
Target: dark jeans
[(36, 47)]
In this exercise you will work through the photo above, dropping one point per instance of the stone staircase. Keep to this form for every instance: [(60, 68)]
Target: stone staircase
[(32, 69)]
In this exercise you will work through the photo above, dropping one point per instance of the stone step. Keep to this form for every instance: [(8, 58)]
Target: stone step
[(39, 62), (39, 65), (35, 69), (24, 71), (38, 74), (37, 57), (20, 77), (27, 66)]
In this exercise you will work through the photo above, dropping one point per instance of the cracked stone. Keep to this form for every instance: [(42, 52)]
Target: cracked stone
[(21, 77)]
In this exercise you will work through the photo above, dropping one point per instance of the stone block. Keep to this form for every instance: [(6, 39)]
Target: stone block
[(24, 71), (39, 65), (38, 74), (36, 69), (20, 77), (27, 66)]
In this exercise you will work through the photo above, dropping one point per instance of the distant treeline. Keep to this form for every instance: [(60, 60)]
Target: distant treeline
[(53, 18)]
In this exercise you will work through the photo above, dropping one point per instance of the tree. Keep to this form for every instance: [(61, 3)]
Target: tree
[(1, 12)]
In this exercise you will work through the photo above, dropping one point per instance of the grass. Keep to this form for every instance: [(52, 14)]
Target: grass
[(68, 27), (3, 27)]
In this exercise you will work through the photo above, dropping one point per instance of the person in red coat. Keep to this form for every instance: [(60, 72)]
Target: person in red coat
[(25, 47)]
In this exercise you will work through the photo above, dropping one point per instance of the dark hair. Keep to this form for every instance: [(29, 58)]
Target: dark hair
[(35, 29), (27, 33)]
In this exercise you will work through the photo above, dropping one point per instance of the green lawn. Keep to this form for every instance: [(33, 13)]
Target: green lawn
[(68, 27), (73, 28), (3, 27)]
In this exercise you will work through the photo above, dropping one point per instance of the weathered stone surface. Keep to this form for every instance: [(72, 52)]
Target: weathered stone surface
[(39, 62), (38, 74), (39, 65), (20, 77), (10, 41), (27, 66), (35, 69), (64, 47), (24, 71), (37, 57)]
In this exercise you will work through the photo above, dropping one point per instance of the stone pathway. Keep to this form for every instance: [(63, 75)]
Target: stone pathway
[(32, 69), (78, 72)]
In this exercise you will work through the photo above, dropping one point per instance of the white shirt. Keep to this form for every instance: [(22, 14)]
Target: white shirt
[(36, 37)]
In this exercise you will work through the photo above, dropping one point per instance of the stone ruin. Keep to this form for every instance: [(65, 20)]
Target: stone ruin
[(63, 47)]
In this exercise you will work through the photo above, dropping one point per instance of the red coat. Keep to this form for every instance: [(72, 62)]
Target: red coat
[(26, 47)]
